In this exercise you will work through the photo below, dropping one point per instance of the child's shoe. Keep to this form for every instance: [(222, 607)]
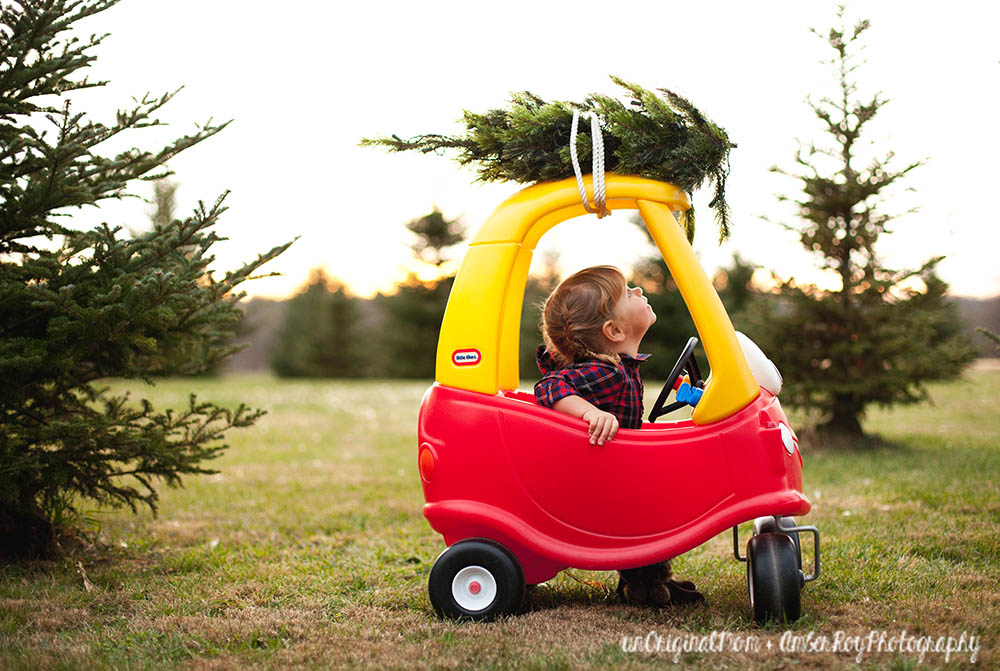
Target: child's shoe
[(657, 577), (654, 585), (683, 592), (631, 587)]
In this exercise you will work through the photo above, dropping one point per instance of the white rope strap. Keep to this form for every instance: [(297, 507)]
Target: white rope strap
[(597, 159)]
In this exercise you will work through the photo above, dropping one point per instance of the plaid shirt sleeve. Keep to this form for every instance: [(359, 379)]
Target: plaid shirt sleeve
[(597, 382)]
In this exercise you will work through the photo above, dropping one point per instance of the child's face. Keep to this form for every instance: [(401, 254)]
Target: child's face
[(635, 313)]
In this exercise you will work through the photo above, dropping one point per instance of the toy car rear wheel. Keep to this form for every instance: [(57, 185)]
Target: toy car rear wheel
[(476, 579), (774, 578)]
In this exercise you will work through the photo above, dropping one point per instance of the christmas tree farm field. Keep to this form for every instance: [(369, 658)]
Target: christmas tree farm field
[(308, 550)]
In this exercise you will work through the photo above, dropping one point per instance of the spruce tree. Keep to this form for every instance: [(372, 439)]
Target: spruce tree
[(321, 334), (435, 234), (674, 324), (164, 202), (161, 214), (77, 305), (879, 335), (413, 313), (409, 335), (537, 288)]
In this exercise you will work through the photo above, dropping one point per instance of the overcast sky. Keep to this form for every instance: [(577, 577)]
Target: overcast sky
[(305, 80)]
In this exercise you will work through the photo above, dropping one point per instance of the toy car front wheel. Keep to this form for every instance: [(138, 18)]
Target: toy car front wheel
[(476, 579), (774, 578), (763, 525)]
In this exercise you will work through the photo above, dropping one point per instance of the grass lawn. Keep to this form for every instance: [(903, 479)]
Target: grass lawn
[(309, 550)]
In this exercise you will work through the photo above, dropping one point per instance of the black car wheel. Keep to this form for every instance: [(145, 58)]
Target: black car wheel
[(476, 579), (774, 578)]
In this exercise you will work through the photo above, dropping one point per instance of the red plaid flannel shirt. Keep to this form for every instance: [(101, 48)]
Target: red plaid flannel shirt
[(612, 388)]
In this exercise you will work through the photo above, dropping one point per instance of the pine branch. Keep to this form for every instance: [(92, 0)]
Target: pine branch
[(663, 137)]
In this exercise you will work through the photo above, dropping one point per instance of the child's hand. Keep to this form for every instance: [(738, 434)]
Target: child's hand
[(603, 425)]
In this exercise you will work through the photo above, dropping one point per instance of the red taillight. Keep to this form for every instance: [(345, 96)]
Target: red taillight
[(426, 462)]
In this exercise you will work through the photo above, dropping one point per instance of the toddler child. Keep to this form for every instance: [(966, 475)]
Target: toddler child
[(592, 325)]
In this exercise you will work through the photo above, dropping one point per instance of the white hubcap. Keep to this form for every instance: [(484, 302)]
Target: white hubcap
[(474, 588)]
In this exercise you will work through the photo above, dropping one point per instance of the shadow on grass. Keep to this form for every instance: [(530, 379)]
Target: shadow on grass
[(548, 597), (725, 607)]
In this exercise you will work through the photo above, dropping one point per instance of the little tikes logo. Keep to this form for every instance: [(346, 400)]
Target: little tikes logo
[(466, 357)]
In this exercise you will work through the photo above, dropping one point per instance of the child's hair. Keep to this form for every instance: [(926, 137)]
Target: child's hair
[(574, 314)]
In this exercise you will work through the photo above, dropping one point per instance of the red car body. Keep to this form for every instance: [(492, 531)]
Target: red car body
[(503, 468)]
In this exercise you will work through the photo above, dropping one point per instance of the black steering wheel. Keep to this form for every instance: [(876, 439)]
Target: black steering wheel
[(686, 365)]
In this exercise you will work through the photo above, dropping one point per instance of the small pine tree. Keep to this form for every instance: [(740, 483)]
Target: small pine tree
[(875, 339), (536, 290), (435, 234), (674, 325), (413, 313), (321, 334), (735, 285), (164, 202), (161, 216), (77, 306)]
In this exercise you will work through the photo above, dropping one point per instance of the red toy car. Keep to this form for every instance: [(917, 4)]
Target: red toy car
[(518, 491)]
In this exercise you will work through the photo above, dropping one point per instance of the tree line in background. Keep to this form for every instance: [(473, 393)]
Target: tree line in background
[(326, 332)]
